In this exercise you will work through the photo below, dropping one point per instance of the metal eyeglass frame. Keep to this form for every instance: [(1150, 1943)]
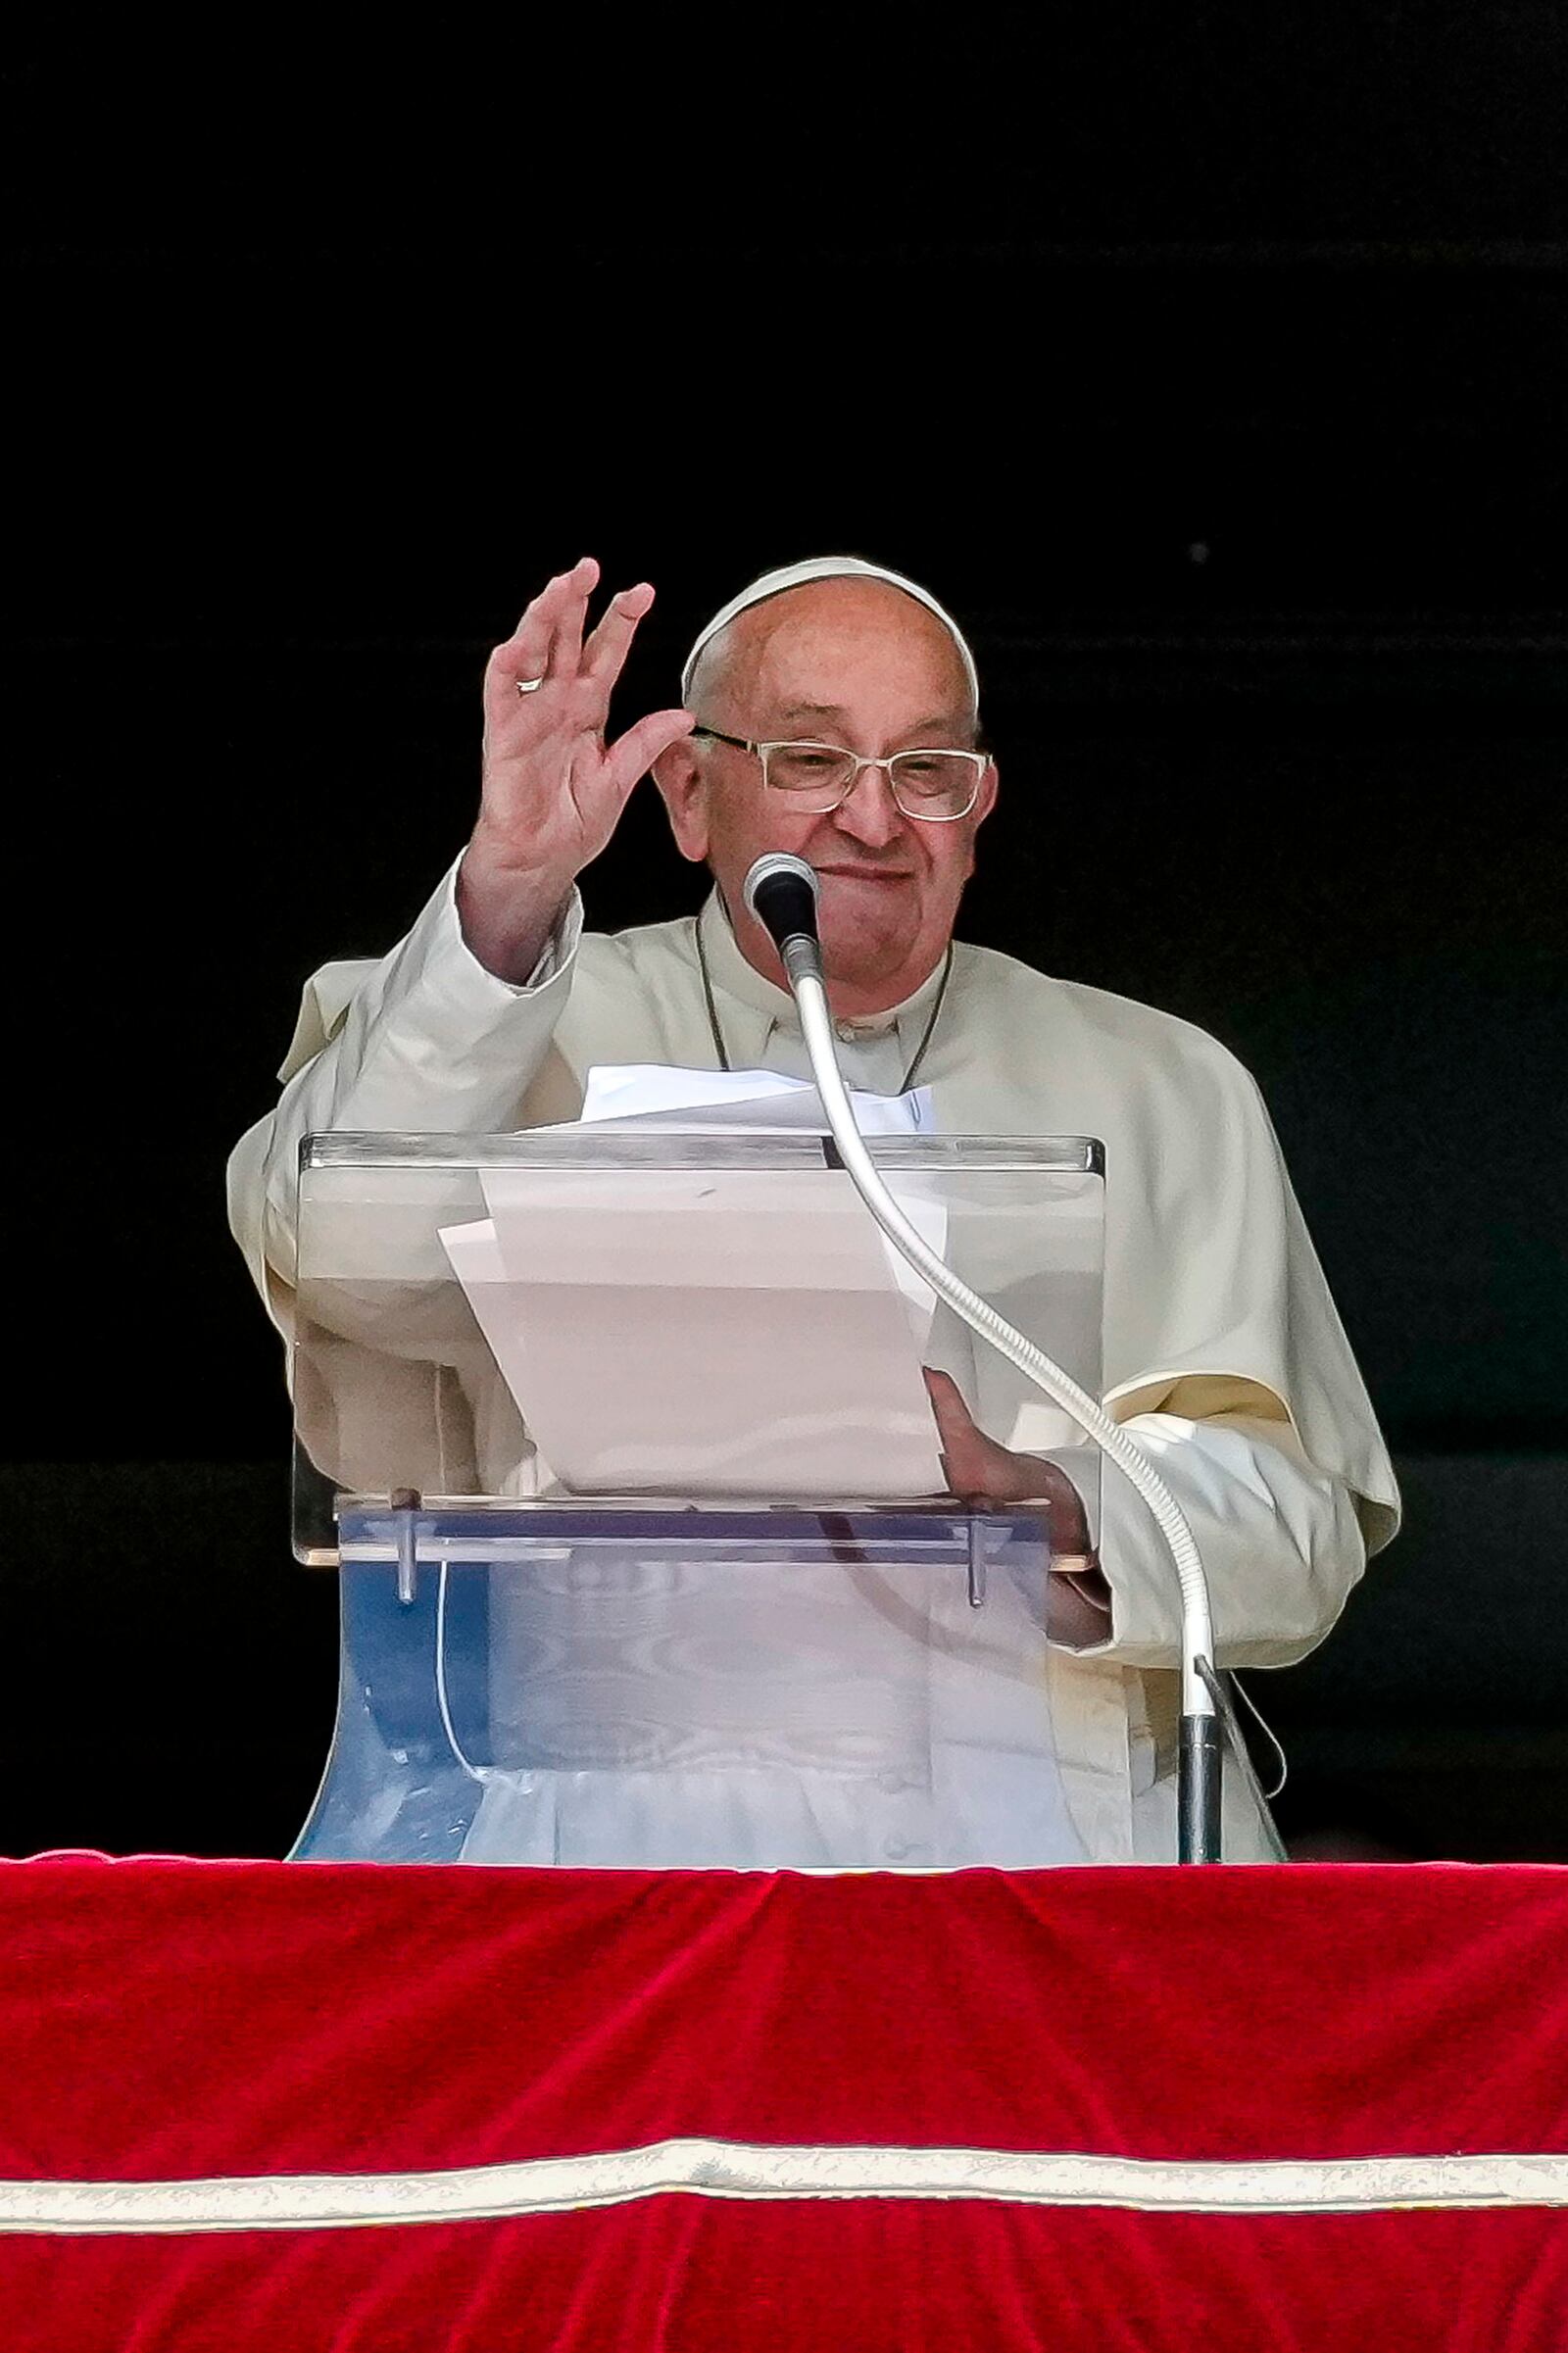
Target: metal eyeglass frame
[(981, 762)]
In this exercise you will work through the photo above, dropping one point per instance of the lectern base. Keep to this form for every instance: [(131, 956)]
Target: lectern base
[(635, 1687)]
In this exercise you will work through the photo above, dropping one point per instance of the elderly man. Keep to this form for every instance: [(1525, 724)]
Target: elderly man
[(832, 710)]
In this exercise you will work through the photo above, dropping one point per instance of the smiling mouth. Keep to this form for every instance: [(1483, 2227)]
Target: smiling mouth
[(866, 874)]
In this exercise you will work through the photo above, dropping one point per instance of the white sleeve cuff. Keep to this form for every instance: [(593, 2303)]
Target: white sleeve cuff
[(1280, 1542), (446, 946)]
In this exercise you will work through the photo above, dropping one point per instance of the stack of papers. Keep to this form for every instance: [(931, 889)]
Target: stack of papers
[(709, 1332)]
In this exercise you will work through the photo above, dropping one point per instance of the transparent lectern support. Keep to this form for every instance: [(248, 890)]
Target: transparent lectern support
[(633, 1688), (762, 1669)]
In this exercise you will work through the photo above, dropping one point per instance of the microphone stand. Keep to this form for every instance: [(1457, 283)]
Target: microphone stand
[(781, 891)]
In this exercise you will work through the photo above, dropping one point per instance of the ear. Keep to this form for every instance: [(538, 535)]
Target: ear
[(987, 802), (678, 774)]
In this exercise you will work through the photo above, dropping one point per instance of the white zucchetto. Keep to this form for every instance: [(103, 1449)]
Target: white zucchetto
[(828, 568)]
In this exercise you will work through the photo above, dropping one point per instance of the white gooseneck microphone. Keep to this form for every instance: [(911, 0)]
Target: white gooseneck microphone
[(781, 892)]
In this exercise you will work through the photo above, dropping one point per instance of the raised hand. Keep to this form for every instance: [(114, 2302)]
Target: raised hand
[(552, 789)]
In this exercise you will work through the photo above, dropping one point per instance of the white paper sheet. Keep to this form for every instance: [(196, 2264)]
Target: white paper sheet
[(721, 1103), (717, 1101), (705, 1332)]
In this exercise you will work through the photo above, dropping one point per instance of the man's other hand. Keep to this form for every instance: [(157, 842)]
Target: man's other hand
[(987, 1477), (552, 791)]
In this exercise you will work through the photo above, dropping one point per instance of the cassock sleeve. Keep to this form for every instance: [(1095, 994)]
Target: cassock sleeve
[(1226, 1362), (426, 1041), (1217, 1309), (1281, 1542)]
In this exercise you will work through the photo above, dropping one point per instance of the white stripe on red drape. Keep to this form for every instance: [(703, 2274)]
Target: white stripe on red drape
[(732, 2169)]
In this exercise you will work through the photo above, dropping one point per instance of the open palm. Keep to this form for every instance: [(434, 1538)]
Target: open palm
[(552, 787)]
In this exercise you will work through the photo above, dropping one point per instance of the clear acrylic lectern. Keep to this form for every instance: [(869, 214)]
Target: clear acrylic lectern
[(618, 1444)]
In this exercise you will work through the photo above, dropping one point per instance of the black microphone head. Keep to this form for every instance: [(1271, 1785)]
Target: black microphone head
[(781, 893)]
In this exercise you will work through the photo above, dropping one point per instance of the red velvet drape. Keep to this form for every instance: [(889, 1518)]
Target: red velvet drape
[(169, 2022)]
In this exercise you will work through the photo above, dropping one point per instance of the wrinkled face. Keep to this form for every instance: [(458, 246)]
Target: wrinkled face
[(858, 663)]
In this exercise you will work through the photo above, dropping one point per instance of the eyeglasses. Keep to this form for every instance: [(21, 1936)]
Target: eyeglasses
[(936, 787)]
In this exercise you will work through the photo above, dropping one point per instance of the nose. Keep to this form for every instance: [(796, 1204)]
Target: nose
[(869, 815)]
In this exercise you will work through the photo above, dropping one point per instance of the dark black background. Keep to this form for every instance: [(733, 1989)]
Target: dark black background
[(1207, 363)]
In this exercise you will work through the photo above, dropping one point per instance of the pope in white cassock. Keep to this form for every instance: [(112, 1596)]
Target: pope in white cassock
[(1223, 1354)]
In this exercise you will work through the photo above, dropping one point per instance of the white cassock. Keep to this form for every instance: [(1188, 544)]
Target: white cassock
[(1223, 1354)]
